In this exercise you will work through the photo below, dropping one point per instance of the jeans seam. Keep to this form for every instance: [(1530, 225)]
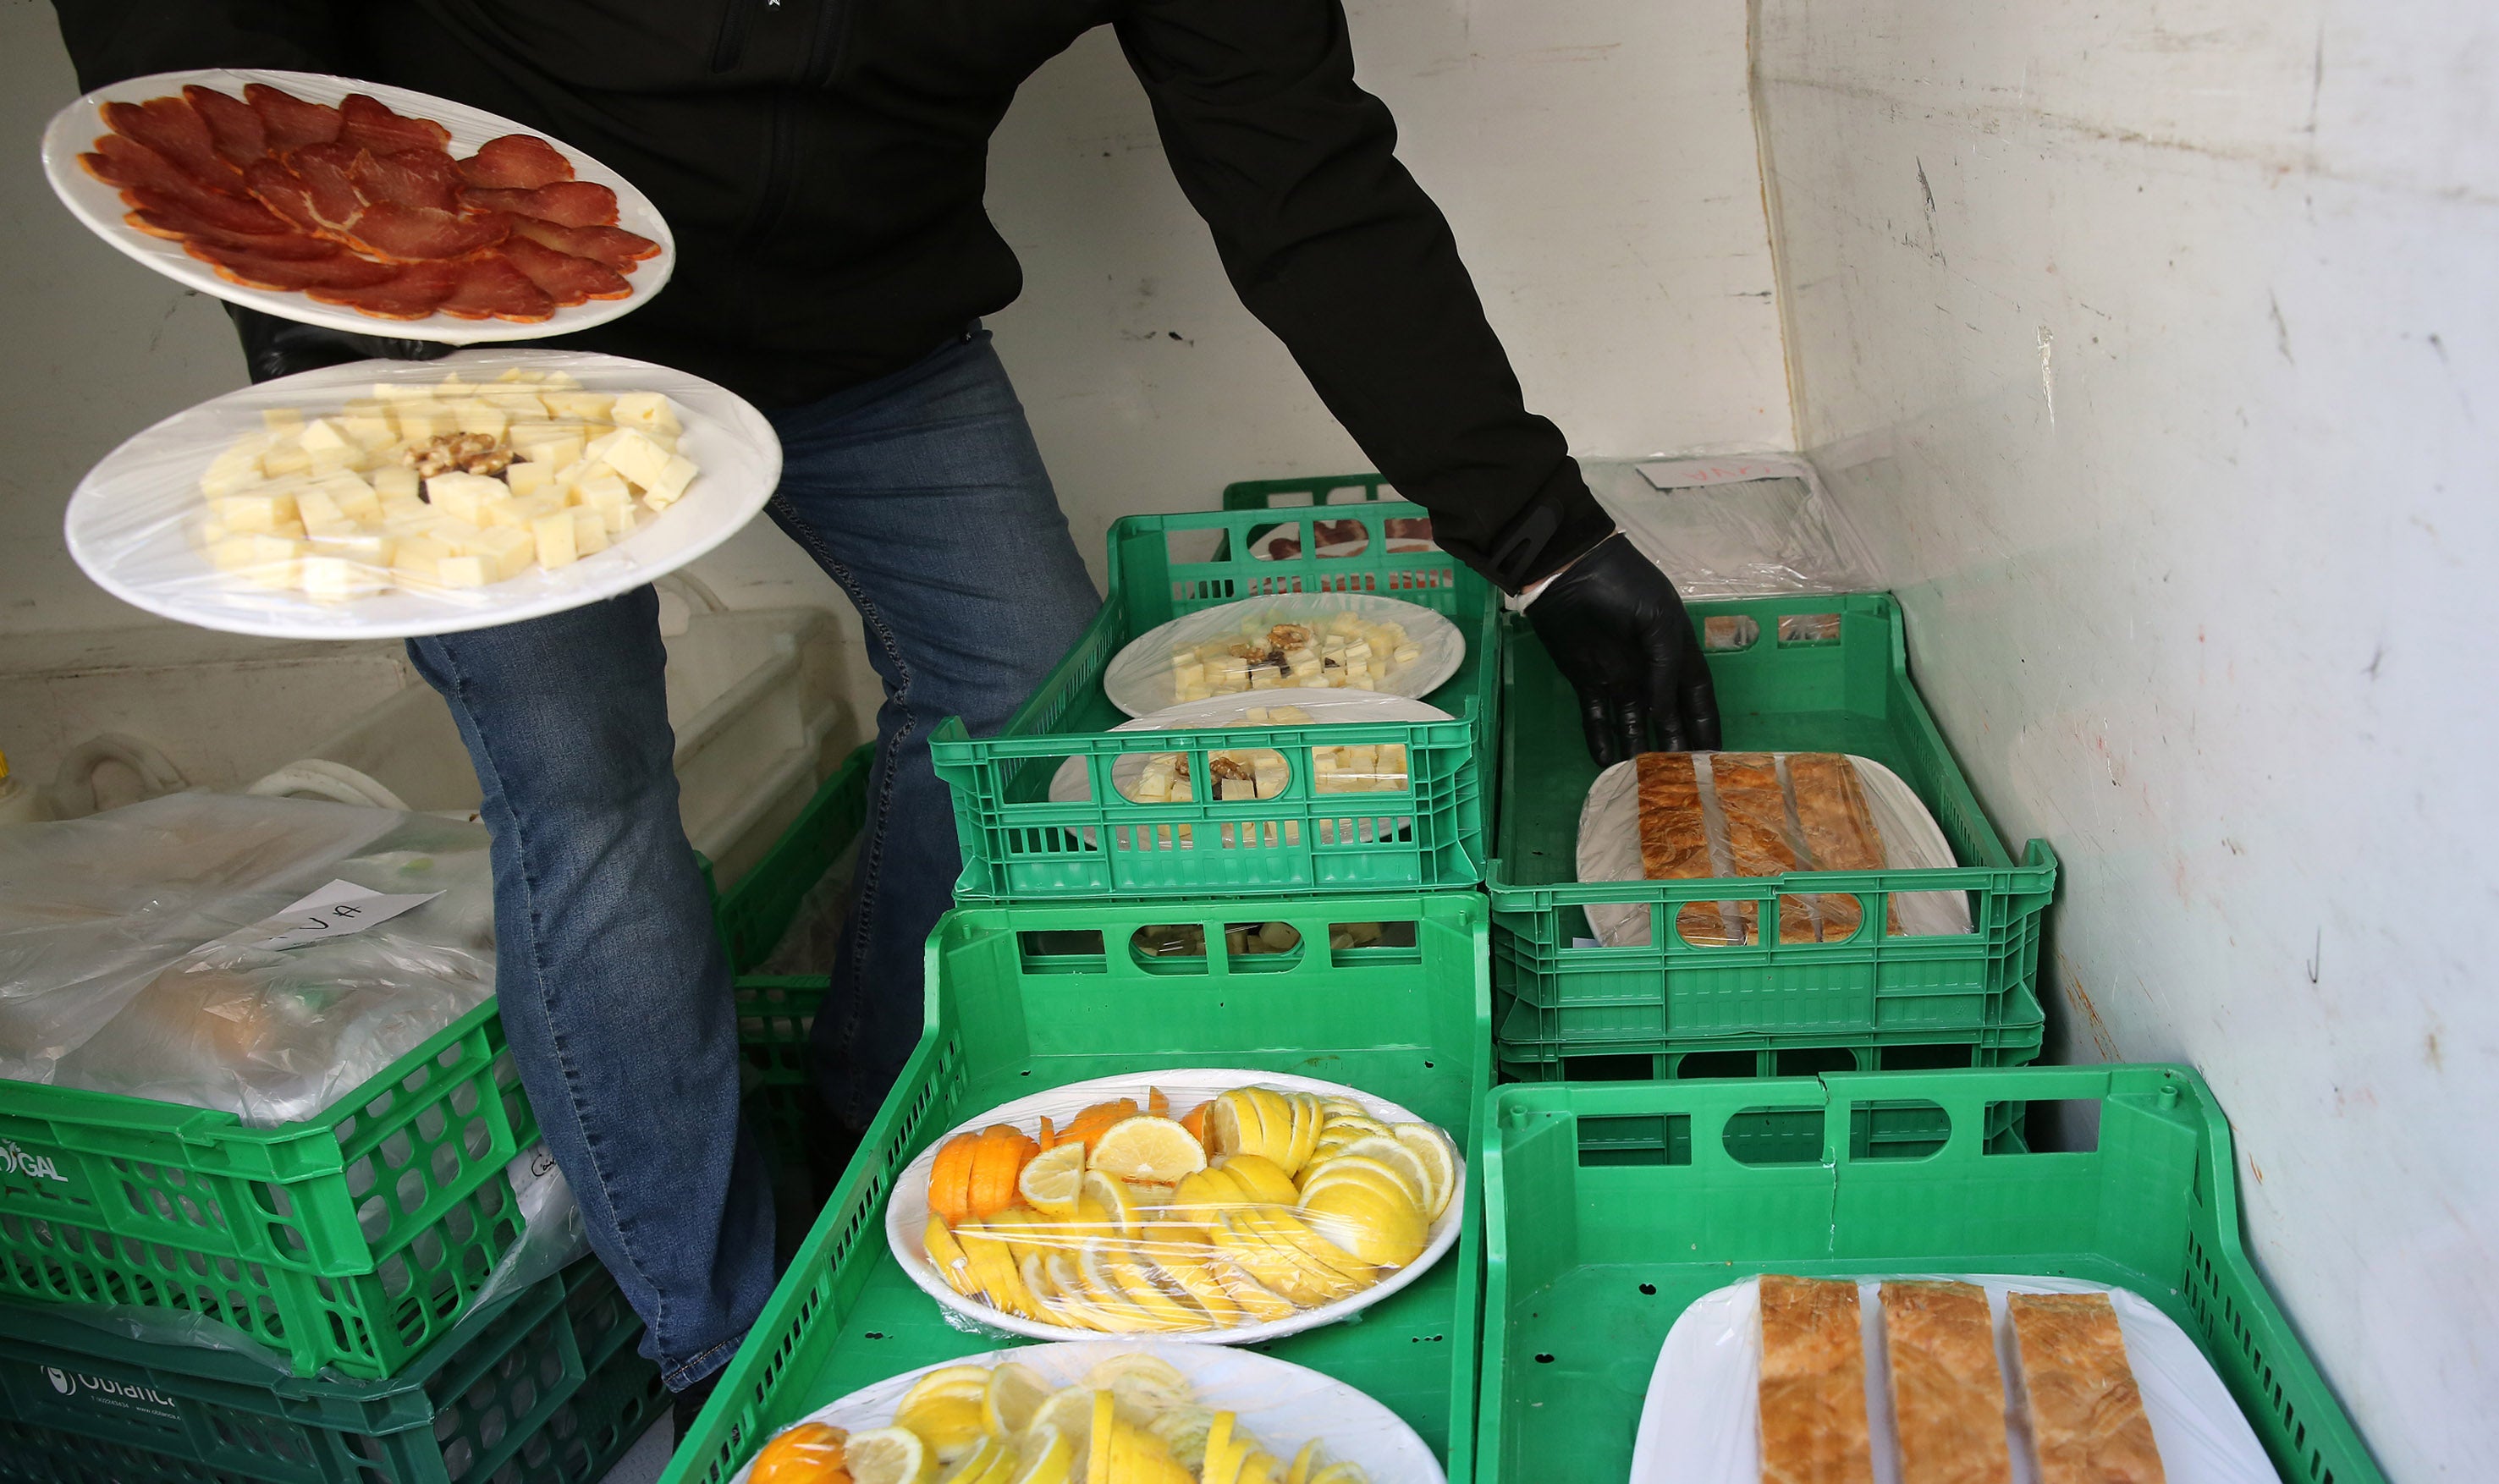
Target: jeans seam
[(555, 1037), (864, 909), (672, 1380)]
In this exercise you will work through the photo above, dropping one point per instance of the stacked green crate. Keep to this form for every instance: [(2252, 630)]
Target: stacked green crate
[(1609, 1208), (1826, 673), (1024, 998)]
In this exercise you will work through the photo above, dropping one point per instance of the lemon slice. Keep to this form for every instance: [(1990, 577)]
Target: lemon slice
[(946, 1254), (1145, 1386), (1184, 1431), (1148, 1150), (1119, 1207), (888, 1456), (1182, 1252), (1068, 1412), (1340, 1474), (1431, 1150), (1275, 1125), (948, 1422), (1303, 1463), (1261, 1178), (1218, 1439), (1260, 1468), (1373, 1227), (991, 1461), (1232, 1123), (1015, 1394), (1356, 1170), (1263, 1304), (1344, 1107), (1100, 1430), (1052, 1182), (1049, 1457), (1399, 1158)]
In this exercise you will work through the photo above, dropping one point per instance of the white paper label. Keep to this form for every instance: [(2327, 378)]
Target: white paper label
[(534, 1180), (336, 911)]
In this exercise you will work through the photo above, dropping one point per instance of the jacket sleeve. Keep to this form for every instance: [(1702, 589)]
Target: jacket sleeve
[(111, 40), (1333, 245)]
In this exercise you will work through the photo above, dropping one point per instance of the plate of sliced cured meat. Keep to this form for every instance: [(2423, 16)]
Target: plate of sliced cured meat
[(357, 206)]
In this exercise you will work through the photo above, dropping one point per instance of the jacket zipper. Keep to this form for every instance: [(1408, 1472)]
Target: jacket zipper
[(729, 45), (824, 56)]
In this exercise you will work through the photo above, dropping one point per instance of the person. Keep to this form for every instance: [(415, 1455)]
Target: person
[(821, 163)]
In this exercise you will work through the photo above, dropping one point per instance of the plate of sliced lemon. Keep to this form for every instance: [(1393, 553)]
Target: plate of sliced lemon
[(1206, 1204), (1151, 1413)]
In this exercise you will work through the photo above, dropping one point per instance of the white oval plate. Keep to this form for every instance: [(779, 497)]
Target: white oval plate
[(1138, 679), (1069, 784), (129, 521), (1284, 1405), (73, 132), (906, 1214)]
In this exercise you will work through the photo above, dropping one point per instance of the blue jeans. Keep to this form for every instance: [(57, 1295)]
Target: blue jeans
[(924, 495)]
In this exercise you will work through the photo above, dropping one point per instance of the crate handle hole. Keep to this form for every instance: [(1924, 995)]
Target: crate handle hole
[(1762, 1136), (2044, 1126), (1903, 1128), (1723, 633), (1806, 629)]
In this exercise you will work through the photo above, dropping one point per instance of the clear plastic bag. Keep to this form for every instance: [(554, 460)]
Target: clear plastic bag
[(1294, 643), (129, 956), (1170, 1406), (1252, 773), (1701, 1421), (1734, 527), (1204, 1204), (1765, 814)]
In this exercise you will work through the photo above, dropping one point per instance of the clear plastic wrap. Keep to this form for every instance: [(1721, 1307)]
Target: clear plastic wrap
[(1175, 1414), (1700, 1423), (1764, 814), (1213, 1203), (1294, 642), (1752, 526), (541, 481), (129, 956), (1343, 537)]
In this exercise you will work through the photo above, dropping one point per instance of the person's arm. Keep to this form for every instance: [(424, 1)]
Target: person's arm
[(1332, 244), (1336, 248), (112, 39)]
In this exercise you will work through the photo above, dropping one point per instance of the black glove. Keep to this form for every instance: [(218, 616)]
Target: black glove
[(1617, 631), (274, 348)]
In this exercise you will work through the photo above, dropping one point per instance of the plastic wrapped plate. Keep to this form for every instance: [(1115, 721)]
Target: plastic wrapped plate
[(1070, 786), (906, 1216), (1701, 1421), (73, 132), (133, 522), (1140, 682), (1283, 1405), (1610, 850)]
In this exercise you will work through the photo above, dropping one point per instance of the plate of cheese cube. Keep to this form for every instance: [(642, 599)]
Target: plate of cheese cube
[(1299, 641), (1255, 772), (385, 498)]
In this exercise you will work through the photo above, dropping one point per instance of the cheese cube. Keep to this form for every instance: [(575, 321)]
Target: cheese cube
[(589, 531), (511, 510), (553, 444), (466, 495), (461, 573), (419, 558), (1408, 653), (554, 536), (282, 419), (283, 459), (458, 534), (677, 473), (526, 479), (506, 550), (400, 483), (422, 419), (324, 439), (336, 579), (356, 544), (319, 512), (258, 511), (476, 414), (368, 422), (517, 373), (263, 561), (583, 407), (234, 468), (632, 455), (517, 407), (557, 381), (645, 409), (406, 516), (1271, 774), (354, 497), (603, 493), (1259, 714)]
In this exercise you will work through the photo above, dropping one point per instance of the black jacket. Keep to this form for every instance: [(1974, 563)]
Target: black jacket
[(821, 162)]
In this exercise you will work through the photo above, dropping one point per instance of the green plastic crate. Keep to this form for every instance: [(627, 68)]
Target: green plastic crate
[(1783, 692), (549, 1389), (351, 1240), (1609, 1208), (774, 1014), (1027, 998), (2016, 1042), (754, 914), (1018, 846)]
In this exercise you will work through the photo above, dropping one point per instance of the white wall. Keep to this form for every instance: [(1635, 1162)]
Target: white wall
[(1596, 156), (2151, 343)]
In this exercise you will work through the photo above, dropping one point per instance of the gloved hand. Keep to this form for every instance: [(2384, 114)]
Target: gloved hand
[(274, 348), (1617, 629)]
